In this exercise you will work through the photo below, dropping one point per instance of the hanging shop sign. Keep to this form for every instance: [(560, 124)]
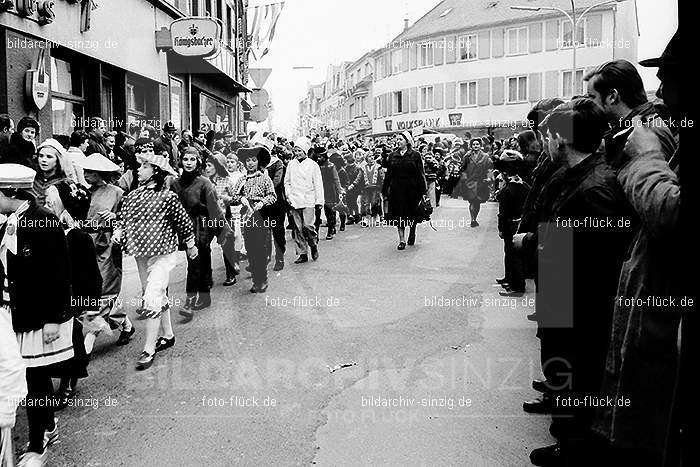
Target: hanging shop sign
[(195, 37), (36, 82)]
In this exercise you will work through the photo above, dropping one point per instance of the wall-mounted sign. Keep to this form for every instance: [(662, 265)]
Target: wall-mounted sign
[(195, 37), (455, 119), (36, 82)]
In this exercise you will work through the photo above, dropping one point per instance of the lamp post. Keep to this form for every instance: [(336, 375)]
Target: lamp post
[(574, 25)]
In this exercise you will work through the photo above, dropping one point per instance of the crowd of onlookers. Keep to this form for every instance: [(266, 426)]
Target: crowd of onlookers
[(588, 203)]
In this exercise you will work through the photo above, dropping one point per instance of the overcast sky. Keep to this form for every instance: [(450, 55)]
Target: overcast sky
[(317, 33)]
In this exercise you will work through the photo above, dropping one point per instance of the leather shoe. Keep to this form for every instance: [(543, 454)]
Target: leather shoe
[(502, 281), (532, 316), (314, 252), (230, 281), (302, 259), (511, 293), (540, 385), (145, 361), (547, 456), (541, 405), (402, 246), (125, 336)]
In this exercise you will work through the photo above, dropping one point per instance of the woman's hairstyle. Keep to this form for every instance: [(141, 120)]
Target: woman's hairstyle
[(201, 163), (152, 133), (159, 176), (77, 138)]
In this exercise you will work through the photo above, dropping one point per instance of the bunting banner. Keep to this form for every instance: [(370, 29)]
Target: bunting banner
[(262, 24)]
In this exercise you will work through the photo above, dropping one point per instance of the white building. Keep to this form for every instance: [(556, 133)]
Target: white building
[(359, 97), (478, 64)]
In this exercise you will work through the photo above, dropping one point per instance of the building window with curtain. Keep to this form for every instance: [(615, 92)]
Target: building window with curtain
[(67, 97)]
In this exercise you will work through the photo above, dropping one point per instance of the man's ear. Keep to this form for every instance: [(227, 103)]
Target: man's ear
[(613, 97)]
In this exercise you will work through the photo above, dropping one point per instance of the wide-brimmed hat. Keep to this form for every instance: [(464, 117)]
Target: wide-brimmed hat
[(670, 55), (16, 176), (157, 160), (260, 153), (98, 163)]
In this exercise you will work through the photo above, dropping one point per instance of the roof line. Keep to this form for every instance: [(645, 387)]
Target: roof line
[(480, 27), (419, 19)]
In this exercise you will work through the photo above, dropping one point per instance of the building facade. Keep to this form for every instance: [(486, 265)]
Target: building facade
[(480, 66), (358, 105), (115, 62)]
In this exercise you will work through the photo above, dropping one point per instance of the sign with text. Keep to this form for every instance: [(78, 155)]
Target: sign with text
[(195, 37)]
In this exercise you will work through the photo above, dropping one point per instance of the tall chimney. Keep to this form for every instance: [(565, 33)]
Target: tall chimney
[(405, 24)]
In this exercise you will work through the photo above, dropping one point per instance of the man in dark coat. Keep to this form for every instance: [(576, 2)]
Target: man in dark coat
[(642, 359), (331, 189), (166, 141), (582, 247), (96, 130), (275, 214)]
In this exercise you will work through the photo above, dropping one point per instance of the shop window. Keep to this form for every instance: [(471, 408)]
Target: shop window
[(136, 100), (176, 100), (65, 77), (67, 101), (65, 116), (214, 114)]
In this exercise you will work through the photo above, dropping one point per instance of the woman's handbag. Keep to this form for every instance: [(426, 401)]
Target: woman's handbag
[(340, 206), (425, 209)]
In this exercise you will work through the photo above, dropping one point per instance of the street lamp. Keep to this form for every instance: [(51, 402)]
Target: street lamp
[(574, 24)]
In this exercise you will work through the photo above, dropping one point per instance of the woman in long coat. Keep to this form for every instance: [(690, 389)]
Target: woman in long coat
[(475, 171), (198, 196), (105, 202), (404, 187)]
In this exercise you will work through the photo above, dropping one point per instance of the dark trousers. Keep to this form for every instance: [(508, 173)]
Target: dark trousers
[(258, 245), (199, 274), (331, 218), (40, 413), (231, 261), (513, 265), (351, 202), (276, 226)]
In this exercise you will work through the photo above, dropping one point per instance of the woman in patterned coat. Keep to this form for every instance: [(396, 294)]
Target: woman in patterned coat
[(149, 225)]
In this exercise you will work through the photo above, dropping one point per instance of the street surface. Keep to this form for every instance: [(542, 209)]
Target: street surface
[(350, 360)]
